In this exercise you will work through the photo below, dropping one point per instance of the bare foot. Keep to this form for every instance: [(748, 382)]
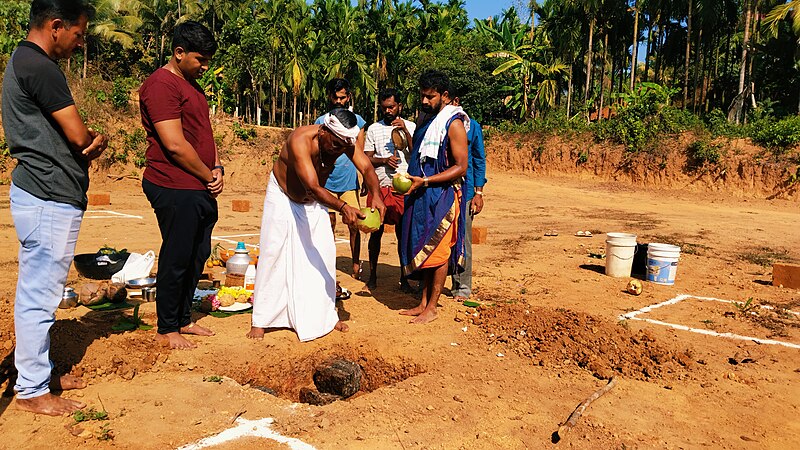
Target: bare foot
[(175, 341), (49, 404), (256, 333), (413, 311), (357, 270), (425, 317), (66, 382), (196, 330), (341, 326)]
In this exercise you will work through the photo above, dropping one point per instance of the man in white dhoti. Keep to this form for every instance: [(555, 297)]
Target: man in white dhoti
[(296, 277)]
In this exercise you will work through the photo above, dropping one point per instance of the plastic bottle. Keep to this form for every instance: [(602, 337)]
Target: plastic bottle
[(238, 262), (250, 278)]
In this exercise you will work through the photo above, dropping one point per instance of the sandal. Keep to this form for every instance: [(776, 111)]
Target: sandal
[(586, 233), (342, 293), (551, 233)]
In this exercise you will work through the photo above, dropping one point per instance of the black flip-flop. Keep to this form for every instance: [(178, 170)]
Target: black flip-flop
[(344, 294)]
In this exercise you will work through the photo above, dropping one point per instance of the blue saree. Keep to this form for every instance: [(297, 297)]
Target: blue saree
[(431, 212)]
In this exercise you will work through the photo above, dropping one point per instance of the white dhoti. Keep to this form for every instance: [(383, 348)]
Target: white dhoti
[(296, 276)]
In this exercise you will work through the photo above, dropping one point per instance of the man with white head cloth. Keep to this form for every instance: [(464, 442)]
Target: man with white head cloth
[(296, 275)]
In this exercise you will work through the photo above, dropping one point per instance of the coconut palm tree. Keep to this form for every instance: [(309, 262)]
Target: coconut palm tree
[(114, 21)]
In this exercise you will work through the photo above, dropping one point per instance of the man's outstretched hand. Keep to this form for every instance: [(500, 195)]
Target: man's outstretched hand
[(377, 203), (351, 215)]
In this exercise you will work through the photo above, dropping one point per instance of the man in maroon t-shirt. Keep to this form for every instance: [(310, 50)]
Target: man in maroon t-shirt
[(182, 179)]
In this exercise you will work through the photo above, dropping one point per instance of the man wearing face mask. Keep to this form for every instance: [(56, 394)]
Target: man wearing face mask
[(182, 179), (388, 161)]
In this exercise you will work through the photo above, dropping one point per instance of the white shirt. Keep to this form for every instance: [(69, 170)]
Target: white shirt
[(379, 140)]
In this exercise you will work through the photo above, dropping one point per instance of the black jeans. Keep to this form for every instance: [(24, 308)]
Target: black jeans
[(186, 219)]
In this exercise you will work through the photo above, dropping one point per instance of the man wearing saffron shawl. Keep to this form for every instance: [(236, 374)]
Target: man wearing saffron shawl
[(432, 241)]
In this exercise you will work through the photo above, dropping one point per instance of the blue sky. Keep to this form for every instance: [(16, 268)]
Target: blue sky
[(481, 9)]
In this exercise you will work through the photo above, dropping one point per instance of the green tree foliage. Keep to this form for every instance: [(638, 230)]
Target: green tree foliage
[(553, 60), (13, 24)]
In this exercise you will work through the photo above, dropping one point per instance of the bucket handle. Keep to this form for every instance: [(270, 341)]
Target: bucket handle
[(635, 250)]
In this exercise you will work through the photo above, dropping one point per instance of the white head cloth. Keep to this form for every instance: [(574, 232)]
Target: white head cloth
[(349, 135)]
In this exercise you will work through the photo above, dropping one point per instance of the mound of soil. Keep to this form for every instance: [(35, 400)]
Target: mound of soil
[(87, 347), (555, 337)]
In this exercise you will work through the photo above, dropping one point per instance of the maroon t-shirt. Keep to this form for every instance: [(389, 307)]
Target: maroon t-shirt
[(166, 96)]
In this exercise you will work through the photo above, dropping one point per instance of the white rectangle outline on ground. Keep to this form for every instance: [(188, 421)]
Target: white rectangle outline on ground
[(112, 215), (244, 428), (227, 239), (632, 316)]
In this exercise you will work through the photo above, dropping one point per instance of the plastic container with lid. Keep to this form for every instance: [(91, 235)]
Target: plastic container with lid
[(250, 277), (238, 262)]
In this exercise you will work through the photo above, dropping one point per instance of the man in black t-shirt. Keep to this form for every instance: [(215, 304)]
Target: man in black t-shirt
[(53, 148)]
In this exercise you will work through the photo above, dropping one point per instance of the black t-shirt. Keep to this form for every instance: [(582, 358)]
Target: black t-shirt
[(47, 167)]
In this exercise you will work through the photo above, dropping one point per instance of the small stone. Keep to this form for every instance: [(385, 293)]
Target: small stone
[(458, 399), (86, 434), (324, 423), (8, 344), (313, 397), (157, 403), (430, 408)]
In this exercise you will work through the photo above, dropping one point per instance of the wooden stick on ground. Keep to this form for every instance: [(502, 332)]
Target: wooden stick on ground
[(573, 418)]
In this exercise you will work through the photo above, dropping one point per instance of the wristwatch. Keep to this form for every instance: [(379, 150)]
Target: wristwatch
[(221, 169), (425, 181)]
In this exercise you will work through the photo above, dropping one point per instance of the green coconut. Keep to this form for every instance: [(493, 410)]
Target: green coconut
[(372, 221), (401, 183)]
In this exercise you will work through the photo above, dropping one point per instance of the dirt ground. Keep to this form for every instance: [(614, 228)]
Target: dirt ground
[(505, 375)]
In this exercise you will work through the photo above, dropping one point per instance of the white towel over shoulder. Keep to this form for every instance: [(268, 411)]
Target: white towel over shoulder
[(434, 135), (296, 276)]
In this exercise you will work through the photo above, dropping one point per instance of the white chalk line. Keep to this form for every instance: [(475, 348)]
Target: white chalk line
[(111, 215), (256, 428), (632, 316)]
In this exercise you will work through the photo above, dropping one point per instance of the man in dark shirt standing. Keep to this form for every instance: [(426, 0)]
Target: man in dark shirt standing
[(53, 148), (182, 179)]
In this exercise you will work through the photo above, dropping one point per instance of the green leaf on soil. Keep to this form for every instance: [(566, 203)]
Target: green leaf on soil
[(108, 306)]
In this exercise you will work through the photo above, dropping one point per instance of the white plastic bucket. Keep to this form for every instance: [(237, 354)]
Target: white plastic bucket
[(662, 263), (620, 248)]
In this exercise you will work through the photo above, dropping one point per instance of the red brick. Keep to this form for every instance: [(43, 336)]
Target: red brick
[(479, 235), (101, 199), (240, 205), (786, 275)]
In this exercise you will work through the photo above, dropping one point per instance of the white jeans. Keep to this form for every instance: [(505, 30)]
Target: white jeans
[(47, 232)]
